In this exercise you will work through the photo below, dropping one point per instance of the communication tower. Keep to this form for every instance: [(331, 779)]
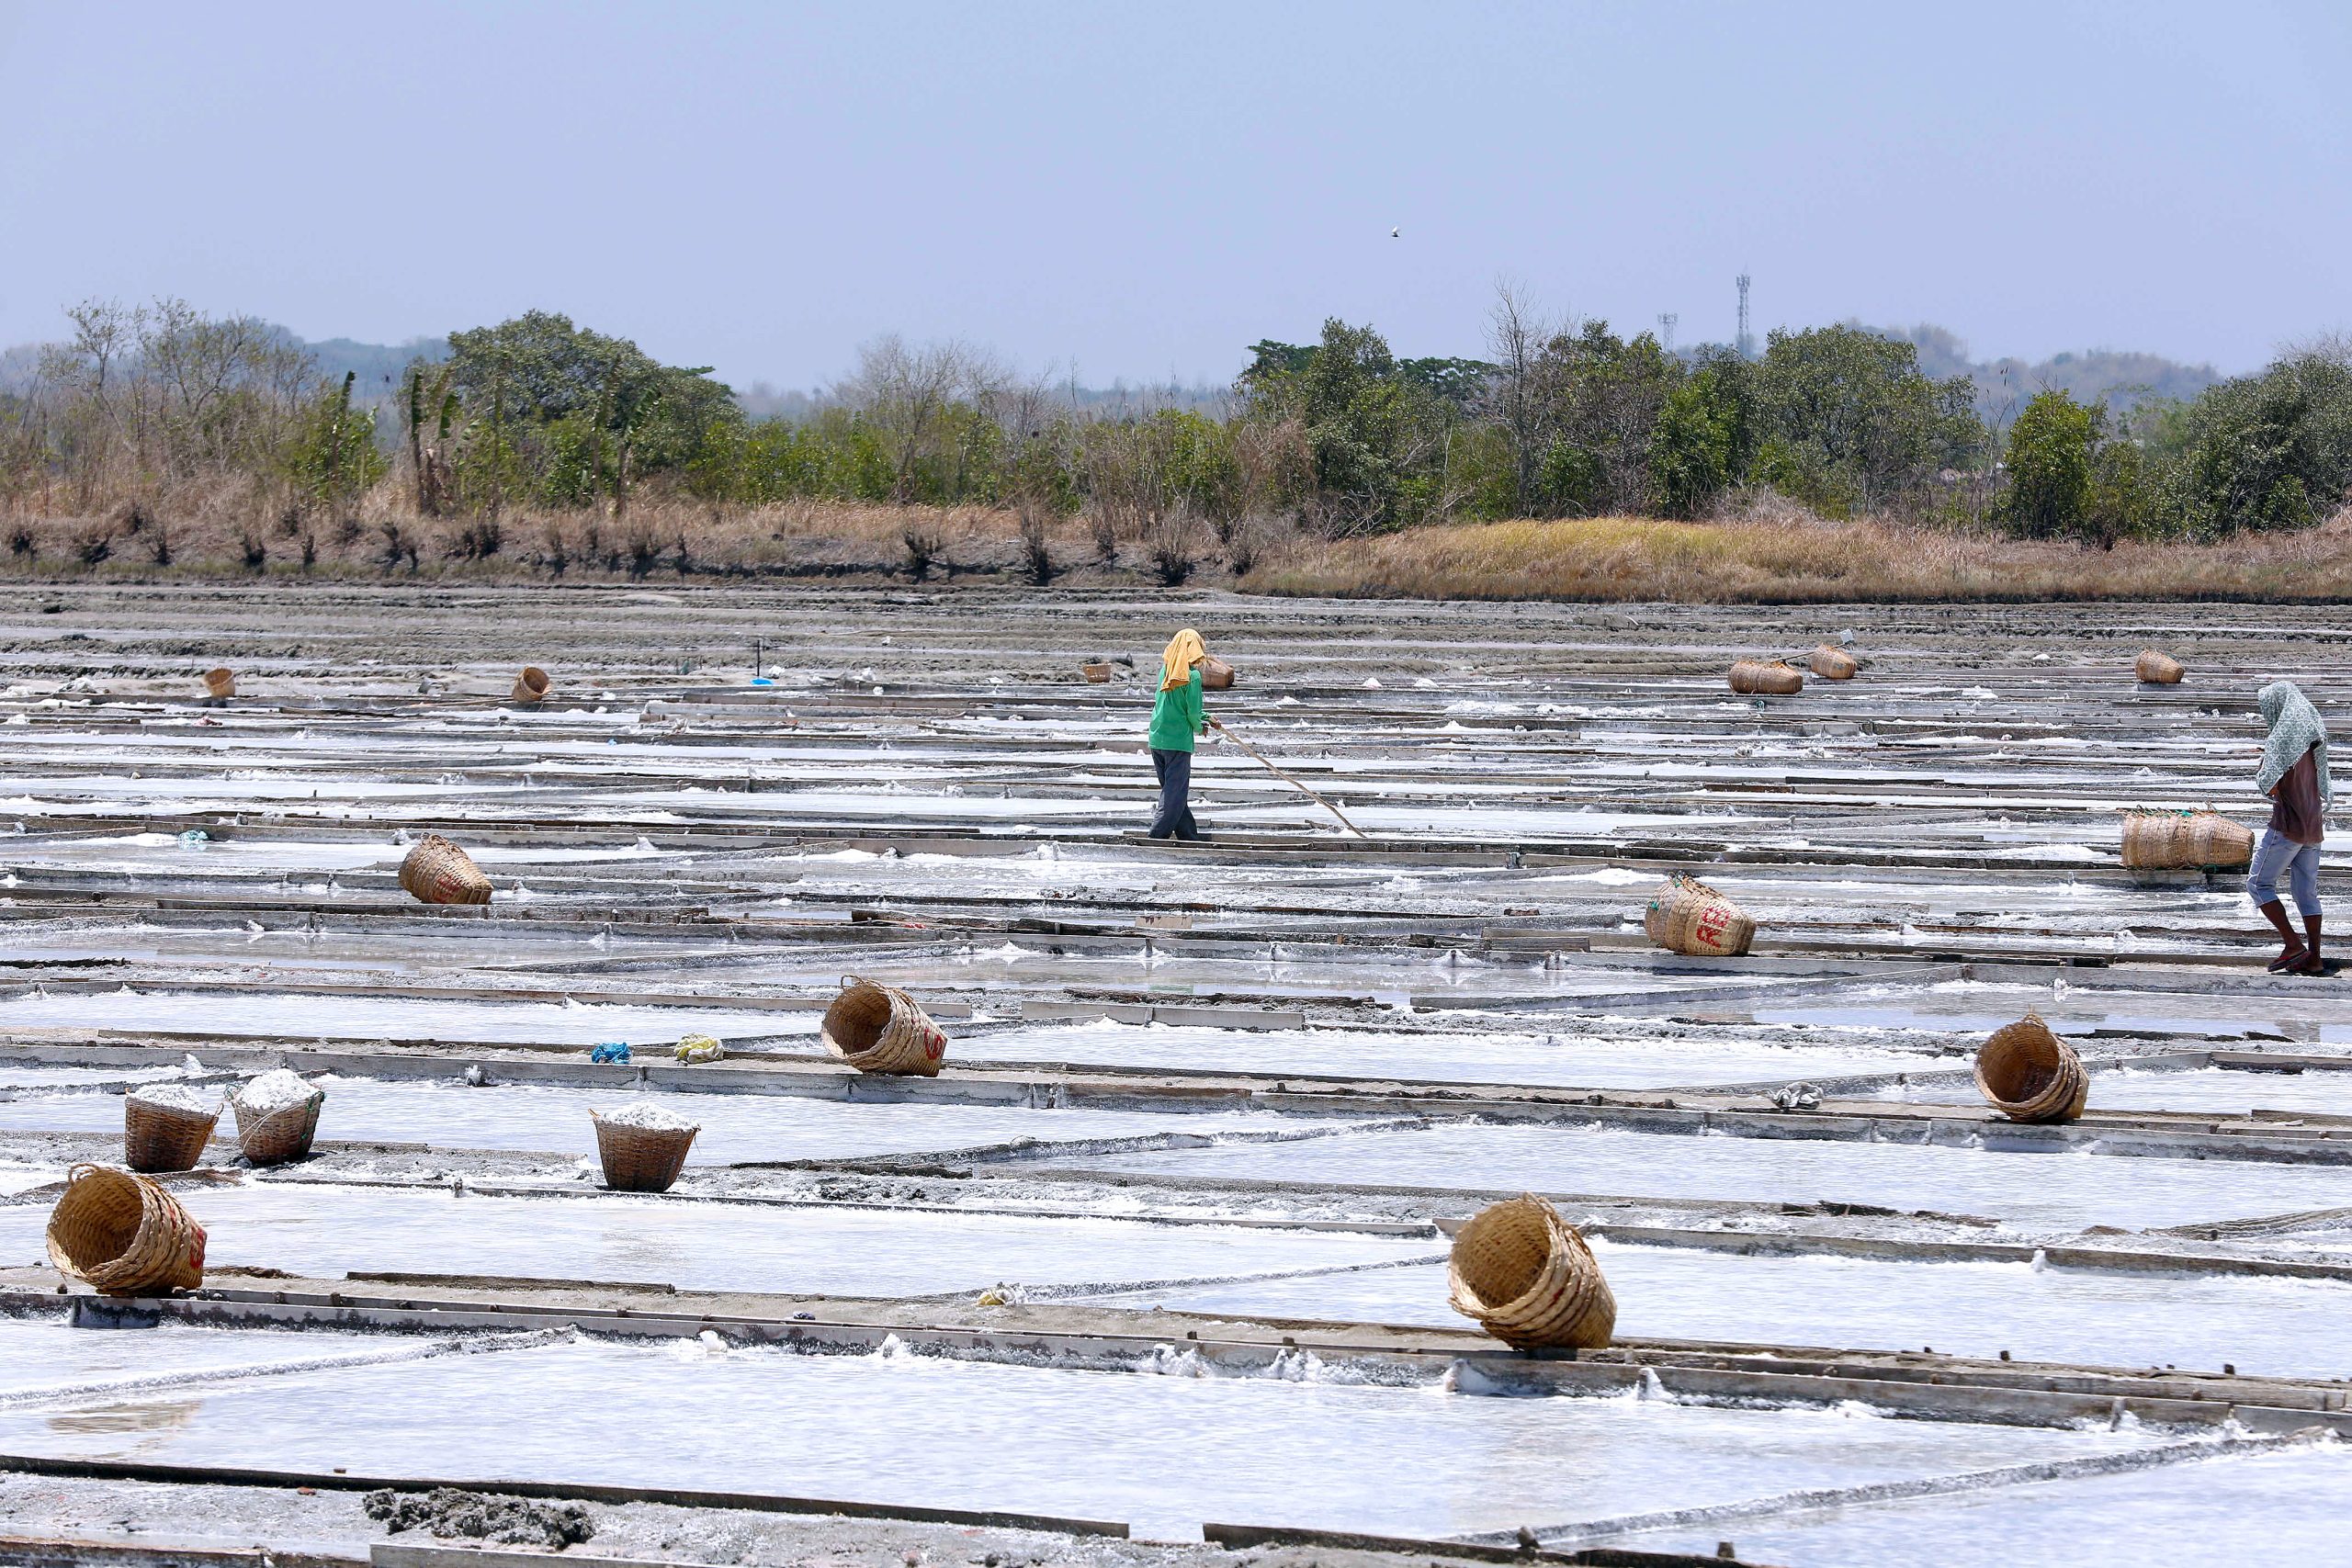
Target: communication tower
[(1665, 329), (1746, 344)]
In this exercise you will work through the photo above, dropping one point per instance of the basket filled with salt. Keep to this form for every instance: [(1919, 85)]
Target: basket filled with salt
[(165, 1127), (642, 1146), (277, 1115)]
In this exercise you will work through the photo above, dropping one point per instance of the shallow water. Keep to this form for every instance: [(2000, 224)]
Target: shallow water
[(49, 1353), (2281, 1327), (315, 1228), (2282, 1508), (393, 1017), (2220, 1091), (1100, 1445), (735, 1127), (2041, 1191), (1558, 1060)]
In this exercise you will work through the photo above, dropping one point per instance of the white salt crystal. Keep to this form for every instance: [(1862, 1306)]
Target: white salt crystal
[(653, 1117), (272, 1092), (174, 1097)]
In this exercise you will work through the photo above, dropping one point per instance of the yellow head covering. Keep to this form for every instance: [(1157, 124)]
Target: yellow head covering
[(1184, 650)]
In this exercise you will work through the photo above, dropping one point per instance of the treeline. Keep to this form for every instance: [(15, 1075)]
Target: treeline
[(1338, 437)]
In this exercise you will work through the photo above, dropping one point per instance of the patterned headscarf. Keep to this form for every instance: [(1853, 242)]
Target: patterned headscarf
[(2295, 729)]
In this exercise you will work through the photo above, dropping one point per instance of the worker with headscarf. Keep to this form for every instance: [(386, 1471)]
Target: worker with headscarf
[(2294, 776), (1176, 722)]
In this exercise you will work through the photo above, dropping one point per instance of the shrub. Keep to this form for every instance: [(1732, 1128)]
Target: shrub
[(2050, 467)]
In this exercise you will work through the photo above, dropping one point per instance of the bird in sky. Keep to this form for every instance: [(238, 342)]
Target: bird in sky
[(1394, 234)]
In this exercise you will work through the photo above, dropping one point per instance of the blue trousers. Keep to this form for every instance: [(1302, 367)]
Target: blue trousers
[(1174, 820), (2277, 852)]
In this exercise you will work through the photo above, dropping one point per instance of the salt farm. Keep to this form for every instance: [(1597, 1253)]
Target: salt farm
[(1154, 1270)]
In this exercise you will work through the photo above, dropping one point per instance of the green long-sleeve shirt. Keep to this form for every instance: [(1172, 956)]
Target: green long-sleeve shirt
[(1176, 715)]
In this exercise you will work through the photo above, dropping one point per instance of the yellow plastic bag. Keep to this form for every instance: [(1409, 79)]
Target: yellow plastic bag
[(698, 1048)]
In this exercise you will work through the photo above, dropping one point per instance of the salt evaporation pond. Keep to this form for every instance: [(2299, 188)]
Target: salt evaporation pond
[(168, 852), (735, 1127), (51, 1354), (314, 1228), (906, 1429), (2257, 1507), (1572, 1061), (2262, 1326), (28, 1074), (22, 1177), (2055, 1190), (2217, 1090), (390, 1018)]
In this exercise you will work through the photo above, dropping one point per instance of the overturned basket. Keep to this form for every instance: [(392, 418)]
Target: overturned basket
[(1687, 916), (531, 685), (2027, 1074), (2157, 669), (124, 1234), (878, 1029), (1752, 677), (1833, 663), (220, 682), (162, 1138), (1527, 1278), (1216, 675), (640, 1159), (438, 872), (2169, 840), (1098, 673), (276, 1138)]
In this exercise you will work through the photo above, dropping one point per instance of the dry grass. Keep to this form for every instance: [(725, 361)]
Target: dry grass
[(1785, 561)]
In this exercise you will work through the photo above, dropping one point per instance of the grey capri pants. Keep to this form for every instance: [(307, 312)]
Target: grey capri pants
[(2278, 853)]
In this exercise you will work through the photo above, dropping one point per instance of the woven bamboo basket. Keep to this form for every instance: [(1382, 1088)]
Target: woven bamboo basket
[(531, 685), (158, 1138), (2027, 1074), (2214, 839), (1216, 675), (2154, 840), (1832, 664), (124, 1234), (1688, 916), (2168, 841), (2158, 669), (220, 682), (640, 1159), (1099, 673), (438, 872), (878, 1029), (1752, 677), (276, 1138), (1527, 1278)]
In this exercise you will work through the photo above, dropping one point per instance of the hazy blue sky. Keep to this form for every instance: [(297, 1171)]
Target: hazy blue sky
[(1145, 189)]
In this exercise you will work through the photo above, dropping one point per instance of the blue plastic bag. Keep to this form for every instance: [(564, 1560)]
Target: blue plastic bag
[(610, 1051)]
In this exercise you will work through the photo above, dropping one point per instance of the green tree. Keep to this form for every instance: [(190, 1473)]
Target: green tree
[(1848, 417), (2269, 451), (1600, 396), (1375, 433), (578, 414), (2050, 467), (1692, 445)]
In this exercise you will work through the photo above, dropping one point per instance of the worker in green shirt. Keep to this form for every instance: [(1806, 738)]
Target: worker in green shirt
[(1176, 720)]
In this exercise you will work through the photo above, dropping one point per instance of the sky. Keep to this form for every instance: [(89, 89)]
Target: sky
[(1119, 190)]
